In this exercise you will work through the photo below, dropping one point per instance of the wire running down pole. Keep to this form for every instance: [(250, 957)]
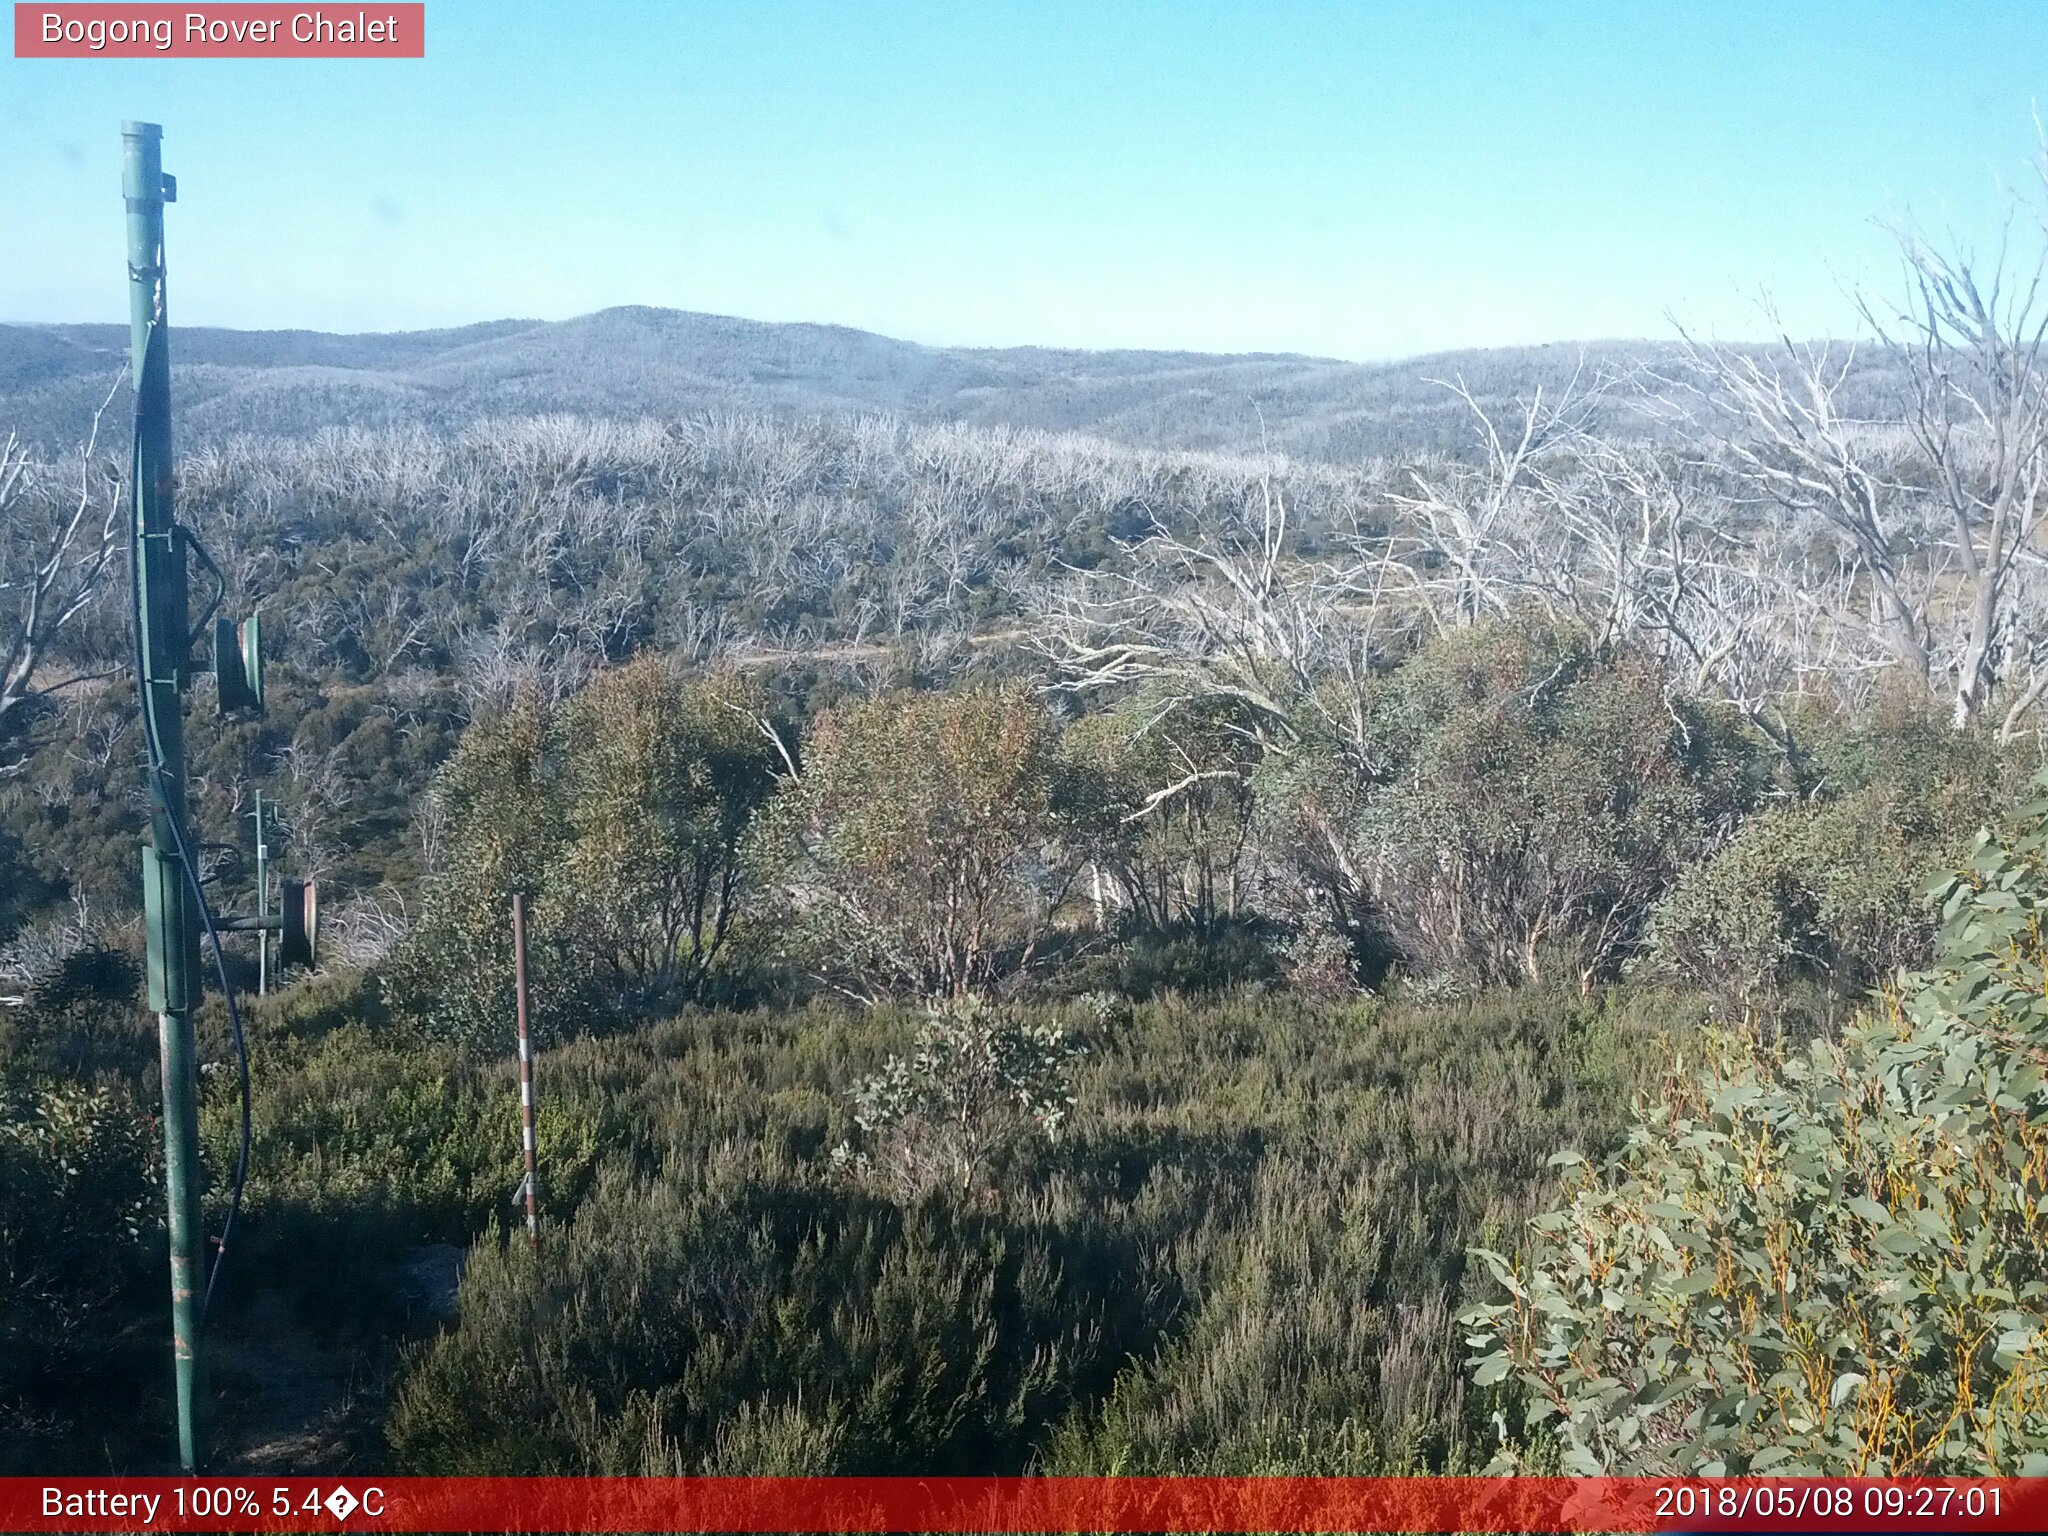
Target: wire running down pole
[(532, 1182)]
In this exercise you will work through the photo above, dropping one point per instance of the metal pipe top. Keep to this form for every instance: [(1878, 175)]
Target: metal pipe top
[(143, 181)]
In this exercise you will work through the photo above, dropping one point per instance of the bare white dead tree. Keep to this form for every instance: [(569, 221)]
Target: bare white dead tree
[(1237, 617), (362, 930), (1468, 525), (2024, 646), (1979, 420), (56, 556), (1626, 551), (1615, 541), (38, 951), (1790, 440), (1935, 507)]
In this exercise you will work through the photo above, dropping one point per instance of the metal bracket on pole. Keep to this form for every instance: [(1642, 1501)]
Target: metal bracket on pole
[(296, 922)]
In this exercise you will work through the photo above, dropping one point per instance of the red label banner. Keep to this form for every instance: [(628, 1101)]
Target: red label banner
[(236, 31), (1021, 1504)]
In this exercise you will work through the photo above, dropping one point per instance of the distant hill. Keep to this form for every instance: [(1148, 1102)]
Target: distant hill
[(661, 362)]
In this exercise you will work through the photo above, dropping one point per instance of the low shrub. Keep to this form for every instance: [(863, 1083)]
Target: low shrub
[(758, 1327), (1830, 890), (978, 1081), (80, 1214)]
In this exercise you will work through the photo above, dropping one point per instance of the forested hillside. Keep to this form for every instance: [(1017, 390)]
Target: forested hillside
[(630, 363), (1059, 949)]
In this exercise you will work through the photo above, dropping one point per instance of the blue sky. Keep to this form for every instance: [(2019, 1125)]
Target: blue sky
[(1359, 180)]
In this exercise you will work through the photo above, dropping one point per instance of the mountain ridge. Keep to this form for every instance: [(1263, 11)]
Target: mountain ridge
[(638, 360)]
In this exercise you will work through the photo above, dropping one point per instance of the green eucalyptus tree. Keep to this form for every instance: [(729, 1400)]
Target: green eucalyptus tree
[(1830, 1261)]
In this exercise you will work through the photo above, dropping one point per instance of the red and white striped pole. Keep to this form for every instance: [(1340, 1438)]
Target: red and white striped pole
[(525, 1071)]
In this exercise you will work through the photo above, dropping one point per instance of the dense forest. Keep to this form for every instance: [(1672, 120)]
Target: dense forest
[(1520, 948)]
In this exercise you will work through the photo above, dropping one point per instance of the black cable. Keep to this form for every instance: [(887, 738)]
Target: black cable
[(227, 991), (153, 749)]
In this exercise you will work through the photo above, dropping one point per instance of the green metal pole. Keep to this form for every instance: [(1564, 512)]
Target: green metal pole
[(262, 902), (163, 628)]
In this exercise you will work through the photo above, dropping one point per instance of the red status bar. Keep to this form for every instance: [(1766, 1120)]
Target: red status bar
[(1022, 1504)]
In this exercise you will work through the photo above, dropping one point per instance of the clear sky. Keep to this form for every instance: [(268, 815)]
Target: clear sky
[(1360, 178)]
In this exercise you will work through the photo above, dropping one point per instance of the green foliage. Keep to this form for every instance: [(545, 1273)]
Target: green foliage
[(914, 851), (340, 764), (1827, 1263), (360, 1124), (1319, 1161), (978, 1080), (1145, 964), (79, 1208), (659, 780), (620, 817), (1528, 803), (1832, 888), (1160, 804), (674, 1327), (501, 824), (1249, 1231), (78, 1020), (709, 1298)]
